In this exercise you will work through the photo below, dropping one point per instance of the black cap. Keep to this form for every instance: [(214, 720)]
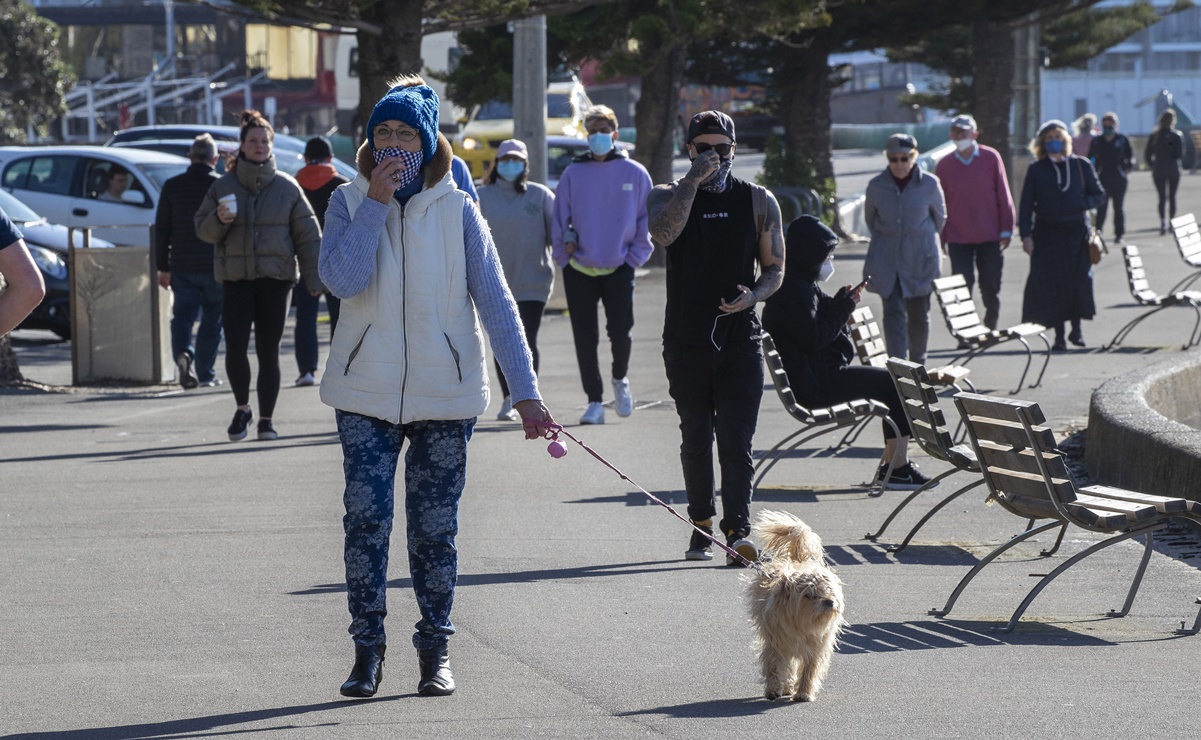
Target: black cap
[(710, 122), (318, 149)]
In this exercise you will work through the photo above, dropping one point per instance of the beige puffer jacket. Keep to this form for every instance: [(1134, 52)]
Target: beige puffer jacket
[(274, 227)]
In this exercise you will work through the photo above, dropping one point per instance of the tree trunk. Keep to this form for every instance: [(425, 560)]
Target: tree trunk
[(992, 84), (655, 121), (395, 51), (656, 112), (10, 372), (803, 81)]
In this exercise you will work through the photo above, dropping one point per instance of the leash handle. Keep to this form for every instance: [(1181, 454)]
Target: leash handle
[(552, 432)]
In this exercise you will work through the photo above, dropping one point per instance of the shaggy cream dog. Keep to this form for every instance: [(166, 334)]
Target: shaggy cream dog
[(796, 605)]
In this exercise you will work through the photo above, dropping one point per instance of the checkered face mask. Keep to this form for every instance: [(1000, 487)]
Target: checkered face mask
[(412, 164)]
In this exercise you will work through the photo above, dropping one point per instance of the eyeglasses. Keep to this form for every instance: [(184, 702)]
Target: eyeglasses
[(403, 135), (898, 160), (723, 150)]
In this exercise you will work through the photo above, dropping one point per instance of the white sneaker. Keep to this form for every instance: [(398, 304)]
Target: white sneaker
[(595, 414), (623, 402), (306, 379), (507, 412)]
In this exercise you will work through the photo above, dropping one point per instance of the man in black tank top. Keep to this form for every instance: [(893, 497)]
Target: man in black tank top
[(716, 229)]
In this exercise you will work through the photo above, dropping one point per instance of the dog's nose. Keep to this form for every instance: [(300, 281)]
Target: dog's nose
[(828, 603)]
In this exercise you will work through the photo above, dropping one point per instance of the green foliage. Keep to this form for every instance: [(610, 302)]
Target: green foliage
[(784, 168), (1071, 39), (33, 76), (1075, 38)]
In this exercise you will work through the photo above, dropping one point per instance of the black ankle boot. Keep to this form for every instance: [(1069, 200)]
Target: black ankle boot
[(436, 679), (367, 671)]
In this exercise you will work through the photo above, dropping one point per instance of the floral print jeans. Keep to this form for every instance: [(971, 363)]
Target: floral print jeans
[(435, 474)]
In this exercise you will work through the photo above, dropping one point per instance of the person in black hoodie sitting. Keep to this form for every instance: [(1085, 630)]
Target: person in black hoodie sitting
[(810, 332)]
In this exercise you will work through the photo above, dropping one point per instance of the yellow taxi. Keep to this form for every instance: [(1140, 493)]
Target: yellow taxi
[(491, 123)]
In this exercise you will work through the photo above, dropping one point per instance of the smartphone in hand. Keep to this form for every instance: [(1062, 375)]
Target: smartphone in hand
[(858, 288)]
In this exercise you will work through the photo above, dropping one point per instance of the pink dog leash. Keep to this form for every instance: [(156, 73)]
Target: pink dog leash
[(557, 449)]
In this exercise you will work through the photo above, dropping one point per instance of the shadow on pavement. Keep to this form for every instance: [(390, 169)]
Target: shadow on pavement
[(533, 576), (709, 709), (201, 726), (221, 447), (886, 637)]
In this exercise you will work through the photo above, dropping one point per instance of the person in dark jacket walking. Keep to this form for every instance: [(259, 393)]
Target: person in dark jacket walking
[(811, 335), (1053, 220), (260, 224), (185, 265), (319, 179), (1165, 150), (1114, 158)]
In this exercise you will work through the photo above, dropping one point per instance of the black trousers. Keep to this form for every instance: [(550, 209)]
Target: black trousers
[(615, 292), (263, 305), (1116, 190), (1165, 186), (861, 381), (717, 395), (530, 313), (986, 257)]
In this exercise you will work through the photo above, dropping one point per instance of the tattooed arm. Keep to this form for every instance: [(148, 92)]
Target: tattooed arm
[(771, 261), (668, 205)]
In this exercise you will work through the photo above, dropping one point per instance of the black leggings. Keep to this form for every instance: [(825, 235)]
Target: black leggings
[(1165, 186), (531, 319), (263, 304), (861, 381)]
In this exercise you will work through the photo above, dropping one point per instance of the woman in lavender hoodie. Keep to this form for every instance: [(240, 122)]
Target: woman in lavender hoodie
[(601, 233)]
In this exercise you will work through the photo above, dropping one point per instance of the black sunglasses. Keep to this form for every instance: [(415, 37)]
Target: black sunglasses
[(723, 150), (897, 160)]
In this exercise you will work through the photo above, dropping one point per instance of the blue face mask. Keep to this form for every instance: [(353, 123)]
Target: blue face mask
[(510, 170), (1108, 130), (600, 144), (1054, 146)]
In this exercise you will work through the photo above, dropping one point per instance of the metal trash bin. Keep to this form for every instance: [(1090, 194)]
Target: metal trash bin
[(120, 317)]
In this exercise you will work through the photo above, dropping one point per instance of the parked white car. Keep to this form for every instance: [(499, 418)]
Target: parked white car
[(73, 186)]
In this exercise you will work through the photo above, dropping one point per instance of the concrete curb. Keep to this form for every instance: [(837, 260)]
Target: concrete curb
[(1134, 438)]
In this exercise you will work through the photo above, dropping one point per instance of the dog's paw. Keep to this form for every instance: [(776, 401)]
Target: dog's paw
[(771, 695), (798, 697)]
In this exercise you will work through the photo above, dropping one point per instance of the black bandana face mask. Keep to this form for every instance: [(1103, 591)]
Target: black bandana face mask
[(717, 182)]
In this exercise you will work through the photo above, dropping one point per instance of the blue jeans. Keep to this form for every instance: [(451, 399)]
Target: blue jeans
[(435, 474), (197, 294), (307, 306)]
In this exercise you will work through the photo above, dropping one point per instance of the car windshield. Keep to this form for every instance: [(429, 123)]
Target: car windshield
[(16, 210), (160, 173), (558, 105)]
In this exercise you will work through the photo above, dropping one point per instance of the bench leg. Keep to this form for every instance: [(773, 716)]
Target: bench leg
[(1029, 358), (777, 454), (1196, 625), (930, 484), (930, 514), (1138, 576), (1046, 361), (988, 559), (1187, 281), (1046, 580), (1058, 541), (1129, 327), (1196, 335)]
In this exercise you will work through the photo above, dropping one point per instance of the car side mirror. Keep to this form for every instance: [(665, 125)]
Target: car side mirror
[(134, 197)]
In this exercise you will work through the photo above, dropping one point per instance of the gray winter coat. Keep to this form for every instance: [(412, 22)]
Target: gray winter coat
[(274, 228), (904, 229)]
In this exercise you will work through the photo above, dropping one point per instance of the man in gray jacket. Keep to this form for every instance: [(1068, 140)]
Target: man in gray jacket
[(905, 211)]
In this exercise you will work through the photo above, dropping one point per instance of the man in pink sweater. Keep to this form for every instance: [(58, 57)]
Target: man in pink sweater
[(979, 213)]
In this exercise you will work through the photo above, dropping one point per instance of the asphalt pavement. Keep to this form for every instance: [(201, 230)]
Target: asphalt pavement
[(158, 581)]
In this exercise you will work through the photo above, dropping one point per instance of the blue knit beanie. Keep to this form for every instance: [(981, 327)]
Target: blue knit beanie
[(416, 106)]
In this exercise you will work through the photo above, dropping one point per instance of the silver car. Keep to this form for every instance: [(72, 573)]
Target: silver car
[(83, 186)]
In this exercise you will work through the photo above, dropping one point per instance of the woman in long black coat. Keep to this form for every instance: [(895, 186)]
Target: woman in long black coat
[(1053, 219), (810, 331)]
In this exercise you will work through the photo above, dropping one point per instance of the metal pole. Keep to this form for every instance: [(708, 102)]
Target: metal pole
[(1027, 85), (529, 91), (169, 10), (91, 98)]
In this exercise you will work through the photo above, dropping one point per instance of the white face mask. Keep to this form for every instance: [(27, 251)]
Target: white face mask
[(826, 271), (964, 144)]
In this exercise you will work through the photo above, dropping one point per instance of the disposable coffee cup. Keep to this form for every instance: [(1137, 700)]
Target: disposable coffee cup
[(231, 202)]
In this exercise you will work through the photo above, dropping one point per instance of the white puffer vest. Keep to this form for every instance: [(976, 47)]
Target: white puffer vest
[(409, 347)]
